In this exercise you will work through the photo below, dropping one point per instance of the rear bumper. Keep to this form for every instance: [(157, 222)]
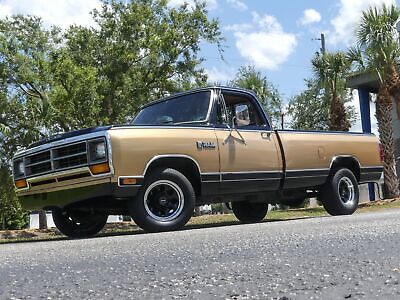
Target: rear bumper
[(370, 174), (61, 198)]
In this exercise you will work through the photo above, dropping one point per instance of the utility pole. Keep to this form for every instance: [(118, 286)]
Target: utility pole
[(323, 49), (322, 39)]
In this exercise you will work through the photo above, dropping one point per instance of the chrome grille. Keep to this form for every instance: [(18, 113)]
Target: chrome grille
[(70, 156), (38, 163), (58, 158), (68, 150)]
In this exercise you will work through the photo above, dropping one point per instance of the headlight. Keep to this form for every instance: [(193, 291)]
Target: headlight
[(98, 151), (19, 168)]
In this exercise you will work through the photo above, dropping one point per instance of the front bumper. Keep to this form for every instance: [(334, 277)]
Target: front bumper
[(103, 191)]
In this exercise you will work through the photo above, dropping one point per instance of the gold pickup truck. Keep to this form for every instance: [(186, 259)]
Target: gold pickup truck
[(203, 146)]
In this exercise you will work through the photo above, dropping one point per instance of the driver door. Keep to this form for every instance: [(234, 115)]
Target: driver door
[(250, 159)]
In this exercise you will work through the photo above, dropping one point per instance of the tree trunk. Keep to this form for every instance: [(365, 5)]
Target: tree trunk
[(42, 219), (392, 83), (385, 129), (338, 115)]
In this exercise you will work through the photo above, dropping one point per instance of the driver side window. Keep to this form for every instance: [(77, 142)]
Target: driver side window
[(241, 110)]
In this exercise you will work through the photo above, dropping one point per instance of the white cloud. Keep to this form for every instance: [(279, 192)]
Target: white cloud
[(310, 16), (211, 4), (349, 15), (61, 12), (264, 43), (220, 75), (239, 5), (239, 27)]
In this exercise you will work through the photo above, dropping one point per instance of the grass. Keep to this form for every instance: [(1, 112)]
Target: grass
[(206, 221)]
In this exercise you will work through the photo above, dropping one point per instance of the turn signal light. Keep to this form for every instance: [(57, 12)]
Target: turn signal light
[(100, 168), (128, 181), (21, 184)]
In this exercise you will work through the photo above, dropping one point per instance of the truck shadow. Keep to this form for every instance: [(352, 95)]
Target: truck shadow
[(135, 230), (129, 228)]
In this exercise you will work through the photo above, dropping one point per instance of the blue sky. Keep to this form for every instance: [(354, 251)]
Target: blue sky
[(277, 37), (280, 37)]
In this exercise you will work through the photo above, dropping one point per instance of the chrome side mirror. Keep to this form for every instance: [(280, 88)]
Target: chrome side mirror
[(242, 116)]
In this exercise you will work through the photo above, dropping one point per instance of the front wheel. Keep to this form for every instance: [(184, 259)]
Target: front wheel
[(165, 202), (249, 212), (340, 194), (77, 224)]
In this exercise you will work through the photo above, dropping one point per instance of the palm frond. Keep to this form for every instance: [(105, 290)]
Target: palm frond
[(354, 56), (4, 129)]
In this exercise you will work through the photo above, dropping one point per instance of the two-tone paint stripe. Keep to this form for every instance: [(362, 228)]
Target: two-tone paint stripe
[(241, 176)]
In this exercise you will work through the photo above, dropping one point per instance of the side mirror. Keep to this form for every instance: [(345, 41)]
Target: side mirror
[(242, 116)]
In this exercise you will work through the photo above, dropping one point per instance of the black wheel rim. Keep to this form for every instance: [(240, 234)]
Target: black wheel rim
[(346, 190), (163, 200)]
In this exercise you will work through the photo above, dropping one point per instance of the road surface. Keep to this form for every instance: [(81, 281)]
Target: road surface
[(347, 257)]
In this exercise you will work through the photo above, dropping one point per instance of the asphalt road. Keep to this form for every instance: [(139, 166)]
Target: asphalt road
[(350, 257)]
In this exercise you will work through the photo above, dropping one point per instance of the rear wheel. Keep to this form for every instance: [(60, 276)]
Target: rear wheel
[(77, 224), (340, 194), (249, 212), (165, 202)]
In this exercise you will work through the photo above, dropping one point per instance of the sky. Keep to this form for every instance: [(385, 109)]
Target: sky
[(279, 38)]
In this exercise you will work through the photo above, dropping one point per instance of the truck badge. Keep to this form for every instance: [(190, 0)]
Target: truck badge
[(205, 145)]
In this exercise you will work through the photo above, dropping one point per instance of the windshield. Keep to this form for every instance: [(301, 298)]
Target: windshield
[(190, 108)]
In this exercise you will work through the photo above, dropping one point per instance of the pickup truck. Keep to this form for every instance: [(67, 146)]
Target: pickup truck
[(209, 145)]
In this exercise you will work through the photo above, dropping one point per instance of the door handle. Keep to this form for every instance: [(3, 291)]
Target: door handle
[(266, 136)]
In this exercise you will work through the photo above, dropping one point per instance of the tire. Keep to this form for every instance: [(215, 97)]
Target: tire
[(76, 224), (165, 202), (340, 194), (248, 212)]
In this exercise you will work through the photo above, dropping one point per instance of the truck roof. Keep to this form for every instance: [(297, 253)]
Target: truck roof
[(197, 90)]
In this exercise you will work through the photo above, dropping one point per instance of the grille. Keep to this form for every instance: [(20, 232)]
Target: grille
[(70, 156), (58, 158)]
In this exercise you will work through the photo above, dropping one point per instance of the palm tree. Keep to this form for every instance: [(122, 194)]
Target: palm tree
[(378, 52), (330, 69)]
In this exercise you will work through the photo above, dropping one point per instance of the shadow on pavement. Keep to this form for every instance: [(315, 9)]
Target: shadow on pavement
[(110, 231)]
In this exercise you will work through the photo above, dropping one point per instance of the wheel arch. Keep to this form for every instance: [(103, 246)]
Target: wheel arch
[(345, 161), (184, 164)]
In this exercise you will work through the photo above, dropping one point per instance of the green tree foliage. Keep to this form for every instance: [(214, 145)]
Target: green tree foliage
[(53, 80), (141, 51), (24, 82), (310, 110), (330, 69), (12, 216), (249, 78)]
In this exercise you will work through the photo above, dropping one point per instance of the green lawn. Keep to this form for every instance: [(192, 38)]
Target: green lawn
[(124, 228)]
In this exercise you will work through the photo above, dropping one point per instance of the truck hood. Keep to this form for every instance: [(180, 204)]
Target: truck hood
[(70, 134)]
